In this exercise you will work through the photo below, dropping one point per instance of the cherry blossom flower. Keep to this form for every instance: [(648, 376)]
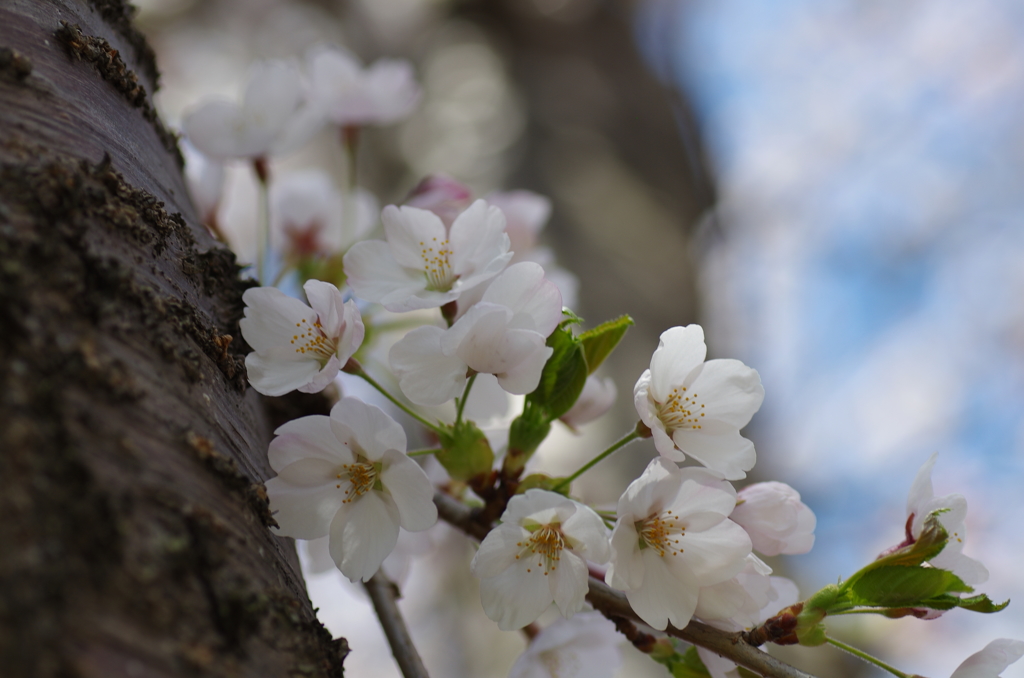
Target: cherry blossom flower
[(746, 587), (672, 537), (585, 646), (775, 518), (992, 660), (526, 214), (698, 407), (348, 94), (309, 217), (920, 504), (423, 264), (504, 334), (536, 556), (272, 118), (596, 398), (296, 347), (347, 476)]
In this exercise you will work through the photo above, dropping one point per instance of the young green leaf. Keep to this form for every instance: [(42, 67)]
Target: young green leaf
[(599, 342), (563, 377), (904, 586)]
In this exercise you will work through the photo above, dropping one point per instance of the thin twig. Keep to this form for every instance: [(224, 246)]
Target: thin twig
[(384, 595), (613, 603)]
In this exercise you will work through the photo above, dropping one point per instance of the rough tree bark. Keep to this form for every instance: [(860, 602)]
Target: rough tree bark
[(133, 539)]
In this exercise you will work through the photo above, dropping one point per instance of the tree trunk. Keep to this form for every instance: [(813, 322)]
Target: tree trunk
[(134, 533)]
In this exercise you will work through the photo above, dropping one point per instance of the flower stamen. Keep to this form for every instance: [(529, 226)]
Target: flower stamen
[(436, 266), (660, 533), (681, 411), (313, 340), (362, 477), (546, 544)]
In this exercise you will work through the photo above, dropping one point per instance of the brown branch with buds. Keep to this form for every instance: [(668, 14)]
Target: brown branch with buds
[(613, 604)]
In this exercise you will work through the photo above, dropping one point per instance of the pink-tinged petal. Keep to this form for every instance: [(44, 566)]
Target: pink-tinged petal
[(417, 238), (535, 301), (324, 378), (517, 596), (665, 596), (374, 275), (524, 377), (477, 237), (272, 318), (568, 583), (374, 431), (307, 437), (716, 554), (730, 454), (411, 491), (303, 512), (364, 535), (281, 371), (731, 391), (680, 351), (442, 195), (425, 375), (214, 129), (991, 661)]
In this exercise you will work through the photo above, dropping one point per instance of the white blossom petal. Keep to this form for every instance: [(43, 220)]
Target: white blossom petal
[(373, 430), (362, 537), (411, 491), (992, 660), (425, 375)]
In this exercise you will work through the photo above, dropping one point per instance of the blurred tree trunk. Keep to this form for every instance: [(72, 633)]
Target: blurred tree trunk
[(618, 150), (134, 537)]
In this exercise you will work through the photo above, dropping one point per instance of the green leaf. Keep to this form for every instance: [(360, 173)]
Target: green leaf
[(904, 586), (930, 544), (599, 342), (465, 452), (981, 603), (563, 377)]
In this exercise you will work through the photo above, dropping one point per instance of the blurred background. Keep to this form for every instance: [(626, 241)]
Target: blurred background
[(833, 189)]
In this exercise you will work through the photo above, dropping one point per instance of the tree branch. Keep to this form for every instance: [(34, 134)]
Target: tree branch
[(613, 603), (384, 595)]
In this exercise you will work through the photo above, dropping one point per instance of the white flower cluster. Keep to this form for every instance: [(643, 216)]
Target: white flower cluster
[(682, 541)]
